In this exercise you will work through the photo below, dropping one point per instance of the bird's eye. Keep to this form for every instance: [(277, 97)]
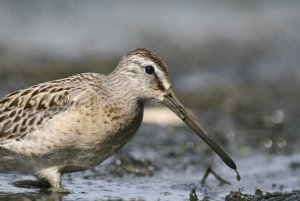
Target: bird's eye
[(149, 70)]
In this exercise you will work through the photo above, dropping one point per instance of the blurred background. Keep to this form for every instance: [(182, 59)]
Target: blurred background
[(236, 64)]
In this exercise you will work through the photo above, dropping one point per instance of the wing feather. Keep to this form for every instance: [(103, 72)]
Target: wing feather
[(24, 110)]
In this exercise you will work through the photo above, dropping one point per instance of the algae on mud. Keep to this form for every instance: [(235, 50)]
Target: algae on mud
[(264, 196)]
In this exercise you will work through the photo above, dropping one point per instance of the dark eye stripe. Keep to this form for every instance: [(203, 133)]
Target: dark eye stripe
[(159, 83)]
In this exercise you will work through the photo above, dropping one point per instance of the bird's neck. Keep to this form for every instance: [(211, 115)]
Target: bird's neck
[(120, 92)]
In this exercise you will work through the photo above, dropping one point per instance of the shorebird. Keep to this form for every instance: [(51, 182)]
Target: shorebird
[(75, 123)]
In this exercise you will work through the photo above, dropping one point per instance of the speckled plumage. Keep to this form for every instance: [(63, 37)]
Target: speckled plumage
[(75, 123)]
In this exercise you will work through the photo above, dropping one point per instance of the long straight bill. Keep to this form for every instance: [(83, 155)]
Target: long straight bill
[(173, 103)]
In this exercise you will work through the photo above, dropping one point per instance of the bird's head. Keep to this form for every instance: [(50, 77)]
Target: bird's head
[(148, 76), (146, 73)]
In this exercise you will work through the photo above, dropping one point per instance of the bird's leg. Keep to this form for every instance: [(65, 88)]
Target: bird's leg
[(210, 170), (53, 177)]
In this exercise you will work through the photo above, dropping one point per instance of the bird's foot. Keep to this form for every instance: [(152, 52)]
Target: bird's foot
[(210, 170), (59, 190), (31, 184)]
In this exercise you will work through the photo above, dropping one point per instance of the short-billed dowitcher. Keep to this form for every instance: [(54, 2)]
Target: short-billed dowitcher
[(72, 124)]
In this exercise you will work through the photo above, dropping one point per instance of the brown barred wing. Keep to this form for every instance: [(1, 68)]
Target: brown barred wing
[(24, 110)]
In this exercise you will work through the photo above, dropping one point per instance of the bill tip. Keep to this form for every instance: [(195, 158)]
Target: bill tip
[(238, 177)]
